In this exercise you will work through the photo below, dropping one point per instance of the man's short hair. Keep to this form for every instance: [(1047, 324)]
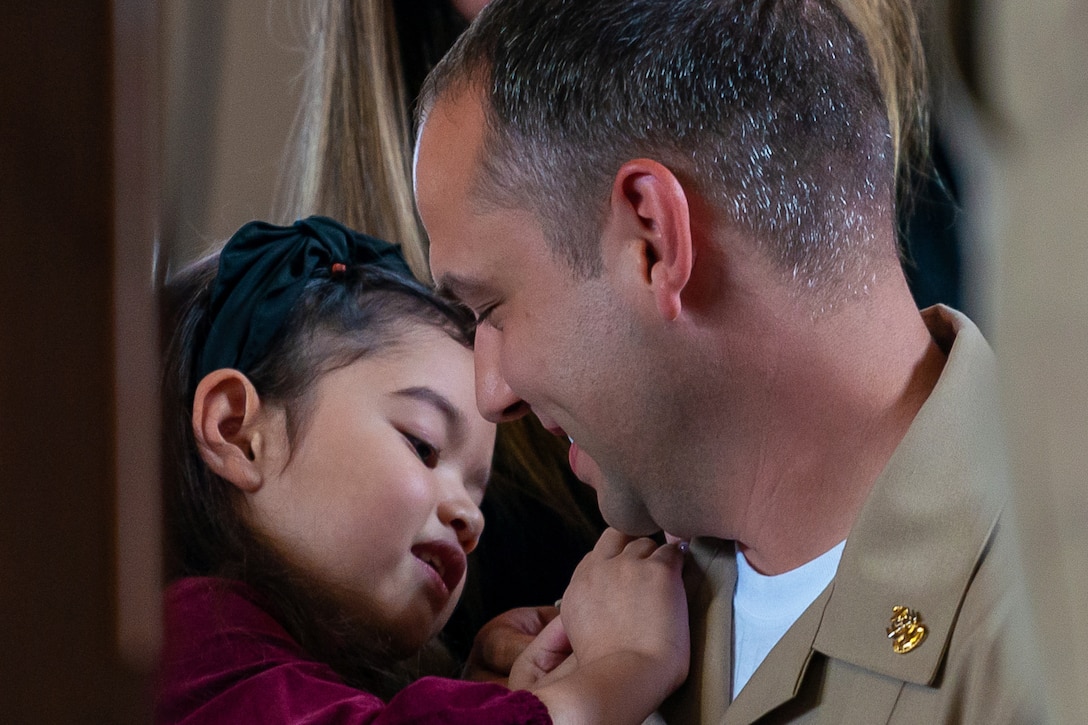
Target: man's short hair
[(769, 109)]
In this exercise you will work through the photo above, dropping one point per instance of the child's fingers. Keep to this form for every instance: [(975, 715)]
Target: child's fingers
[(671, 554), (611, 542), (551, 646), (642, 548), (549, 650), (501, 641)]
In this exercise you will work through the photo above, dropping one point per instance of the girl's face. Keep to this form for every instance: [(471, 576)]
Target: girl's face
[(379, 497)]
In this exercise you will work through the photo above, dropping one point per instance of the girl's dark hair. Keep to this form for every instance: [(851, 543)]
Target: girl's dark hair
[(337, 321)]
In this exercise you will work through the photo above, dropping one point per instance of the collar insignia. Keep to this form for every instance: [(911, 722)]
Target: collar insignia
[(906, 631)]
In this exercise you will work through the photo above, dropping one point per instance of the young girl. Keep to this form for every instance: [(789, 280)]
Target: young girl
[(331, 463)]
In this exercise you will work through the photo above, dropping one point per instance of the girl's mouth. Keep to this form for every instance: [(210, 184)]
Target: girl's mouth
[(446, 559)]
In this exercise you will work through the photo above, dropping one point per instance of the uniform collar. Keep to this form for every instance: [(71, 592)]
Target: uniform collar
[(928, 519), (917, 541)]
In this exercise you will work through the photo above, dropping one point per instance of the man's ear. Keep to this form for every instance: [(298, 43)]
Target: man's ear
[(650, 207), (226, 413)]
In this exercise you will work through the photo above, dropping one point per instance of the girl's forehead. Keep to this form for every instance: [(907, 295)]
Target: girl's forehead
[(422, 357), (426, 374)]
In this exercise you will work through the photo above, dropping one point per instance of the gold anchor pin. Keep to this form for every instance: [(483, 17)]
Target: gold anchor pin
[(907, 630)]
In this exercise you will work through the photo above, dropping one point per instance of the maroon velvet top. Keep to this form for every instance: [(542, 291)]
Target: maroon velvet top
[(226, 660)]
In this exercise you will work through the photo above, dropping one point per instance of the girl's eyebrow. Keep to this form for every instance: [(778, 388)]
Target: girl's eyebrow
[(454, 417)]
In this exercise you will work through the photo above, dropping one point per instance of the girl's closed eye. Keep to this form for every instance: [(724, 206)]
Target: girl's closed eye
[(424, 450)]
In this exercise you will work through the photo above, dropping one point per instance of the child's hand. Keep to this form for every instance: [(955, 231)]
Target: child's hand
[(625, 615), (504, 639), (547, 658), (627, 596)]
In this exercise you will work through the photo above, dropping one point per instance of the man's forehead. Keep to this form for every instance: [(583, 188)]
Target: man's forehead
[(473, 239), (445, 168), (452, 129), (468, 258), (450, 147)]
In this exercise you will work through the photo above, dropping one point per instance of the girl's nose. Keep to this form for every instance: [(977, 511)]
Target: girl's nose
[(461, 513)]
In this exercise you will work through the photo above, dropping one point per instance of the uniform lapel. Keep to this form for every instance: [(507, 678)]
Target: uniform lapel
[(928, 520), (709, 577), (778, 679)]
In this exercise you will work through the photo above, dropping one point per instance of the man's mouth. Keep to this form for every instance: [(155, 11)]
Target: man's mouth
[(552, 427), (573, 453), (446, 559), (572, 458)]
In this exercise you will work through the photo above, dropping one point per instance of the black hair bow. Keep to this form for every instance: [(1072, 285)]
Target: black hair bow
[(262, 272)]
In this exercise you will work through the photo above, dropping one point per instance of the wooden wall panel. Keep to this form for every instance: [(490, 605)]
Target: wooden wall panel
[(60, 661)]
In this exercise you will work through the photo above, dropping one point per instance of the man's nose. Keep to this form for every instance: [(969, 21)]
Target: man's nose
[(496, 401)]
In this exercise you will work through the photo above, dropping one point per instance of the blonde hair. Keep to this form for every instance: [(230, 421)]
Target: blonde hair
[(352, 159), (891, 30)]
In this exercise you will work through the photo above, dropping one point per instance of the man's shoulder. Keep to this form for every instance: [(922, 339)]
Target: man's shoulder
[(986, 674), (990, 672)]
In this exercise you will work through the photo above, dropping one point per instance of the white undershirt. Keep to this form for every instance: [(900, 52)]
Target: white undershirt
[(764, 607)]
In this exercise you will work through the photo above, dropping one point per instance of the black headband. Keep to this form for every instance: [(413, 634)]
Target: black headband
[(262, 272)]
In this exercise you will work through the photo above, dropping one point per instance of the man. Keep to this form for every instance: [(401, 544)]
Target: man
[(674, 220)]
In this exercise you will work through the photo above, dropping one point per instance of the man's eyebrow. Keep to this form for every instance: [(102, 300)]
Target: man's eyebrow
[(456, 287), (454, 417)]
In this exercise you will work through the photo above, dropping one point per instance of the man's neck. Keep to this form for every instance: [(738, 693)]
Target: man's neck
[(840, 410)]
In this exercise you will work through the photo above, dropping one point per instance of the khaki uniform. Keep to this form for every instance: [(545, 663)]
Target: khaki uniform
[(928, 538)]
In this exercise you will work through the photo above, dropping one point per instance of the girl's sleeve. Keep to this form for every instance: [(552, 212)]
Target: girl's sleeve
[(226, 661), (308, 694), (439, 700)]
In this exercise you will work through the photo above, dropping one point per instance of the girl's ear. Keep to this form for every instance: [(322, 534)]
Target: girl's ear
[(226, 423)]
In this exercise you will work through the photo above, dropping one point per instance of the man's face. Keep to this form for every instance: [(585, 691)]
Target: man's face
[(547, 339)]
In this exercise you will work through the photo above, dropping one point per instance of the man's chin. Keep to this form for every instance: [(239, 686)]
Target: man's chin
[(628, 521), (651, 532)]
